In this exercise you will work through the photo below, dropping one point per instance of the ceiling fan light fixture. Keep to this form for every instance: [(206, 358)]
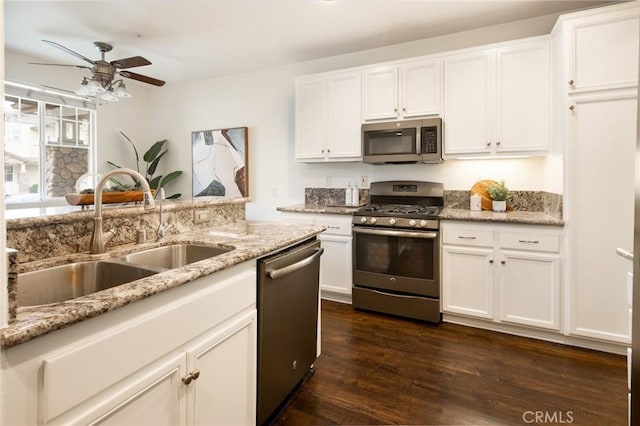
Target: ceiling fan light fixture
[(121, 91), (108, 95), (95, 86), (84, 88)]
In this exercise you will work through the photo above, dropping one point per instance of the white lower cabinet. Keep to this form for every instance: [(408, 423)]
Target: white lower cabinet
[(186, 356), (502, 273)]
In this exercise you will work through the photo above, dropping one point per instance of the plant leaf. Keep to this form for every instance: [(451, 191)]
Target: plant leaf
[(153, 152), (117, 183), (168, 178), (151, 167), (134, 150), (173, 196), (111, 163), (153, 183)]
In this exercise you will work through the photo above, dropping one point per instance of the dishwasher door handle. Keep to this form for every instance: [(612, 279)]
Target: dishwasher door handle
[(277, 273)]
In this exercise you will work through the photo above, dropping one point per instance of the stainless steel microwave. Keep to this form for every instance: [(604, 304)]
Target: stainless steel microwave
[(409, 141)]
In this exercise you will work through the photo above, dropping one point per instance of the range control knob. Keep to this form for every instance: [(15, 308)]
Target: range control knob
[(412, 222), (423, 223), (373, 220), (392, 221), (363, 220)]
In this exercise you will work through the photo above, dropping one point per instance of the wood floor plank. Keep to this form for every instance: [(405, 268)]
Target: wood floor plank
[(377, 369)]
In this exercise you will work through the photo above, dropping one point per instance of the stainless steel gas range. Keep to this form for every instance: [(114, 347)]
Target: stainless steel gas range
[(396, 250)]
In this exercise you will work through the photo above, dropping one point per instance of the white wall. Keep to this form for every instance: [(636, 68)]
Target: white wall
[(264, 102)]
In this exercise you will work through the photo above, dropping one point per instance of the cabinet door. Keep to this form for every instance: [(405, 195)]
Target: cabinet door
[(380, 93), (470, 91), (603, 51), (311, 119), (523, 109), (530, 289), (467, 281), (154, 397), (421, 88), (344, 116), (602, 152), (335, 264), (224, 392)]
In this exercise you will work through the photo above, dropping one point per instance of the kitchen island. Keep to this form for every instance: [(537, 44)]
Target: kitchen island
[(177, 347)]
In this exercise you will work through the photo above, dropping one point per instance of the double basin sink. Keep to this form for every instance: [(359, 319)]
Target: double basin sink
[(72, 280)]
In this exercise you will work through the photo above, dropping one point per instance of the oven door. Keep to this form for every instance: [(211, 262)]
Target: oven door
[(403, 262)]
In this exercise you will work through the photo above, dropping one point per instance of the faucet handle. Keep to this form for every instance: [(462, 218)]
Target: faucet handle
[(160, 194), (148, 202)]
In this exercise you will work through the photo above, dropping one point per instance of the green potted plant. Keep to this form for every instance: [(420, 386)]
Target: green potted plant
[(499, 194), (152, 157)]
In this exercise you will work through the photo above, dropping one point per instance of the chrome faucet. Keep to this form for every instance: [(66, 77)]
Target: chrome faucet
[(162, 228), (99, 239)]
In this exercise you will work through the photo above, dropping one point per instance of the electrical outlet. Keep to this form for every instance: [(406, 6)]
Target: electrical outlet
[(200, 216), (364, 181)]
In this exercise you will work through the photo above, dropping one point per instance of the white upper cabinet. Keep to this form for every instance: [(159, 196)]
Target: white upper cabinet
[(311, 129), (604, 50), (380, 93), (523, 97), (469, 88), (497, 100), (328, 117), (402, 91)]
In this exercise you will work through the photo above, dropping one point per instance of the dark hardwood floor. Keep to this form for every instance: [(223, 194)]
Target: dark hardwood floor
[(376, 369)]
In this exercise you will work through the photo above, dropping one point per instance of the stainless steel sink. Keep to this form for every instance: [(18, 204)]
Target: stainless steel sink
[(73, 280), (174, 256)]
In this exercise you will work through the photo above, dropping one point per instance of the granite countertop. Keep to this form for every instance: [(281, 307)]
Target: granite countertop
[(249, 239), (516, 216), (318, 208)]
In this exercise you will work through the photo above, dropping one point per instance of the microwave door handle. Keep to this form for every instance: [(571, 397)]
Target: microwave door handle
[(418, 142)]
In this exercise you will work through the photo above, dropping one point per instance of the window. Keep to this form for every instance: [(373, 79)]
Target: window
[(48, 146)]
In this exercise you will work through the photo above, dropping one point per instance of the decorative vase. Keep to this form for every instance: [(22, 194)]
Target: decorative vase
[(499, 206)]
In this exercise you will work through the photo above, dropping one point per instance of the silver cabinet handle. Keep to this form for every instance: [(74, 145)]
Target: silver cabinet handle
[(462, 237), (504, 262), (529, 241), (491, 261), (277, 273), (498, 143), (571, 82), (404, 110), (572, 107), (488, 143)]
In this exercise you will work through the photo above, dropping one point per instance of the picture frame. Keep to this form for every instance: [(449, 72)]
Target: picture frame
[(220, 162)]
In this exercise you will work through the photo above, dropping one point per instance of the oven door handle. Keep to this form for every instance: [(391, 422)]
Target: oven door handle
[(394, 233)]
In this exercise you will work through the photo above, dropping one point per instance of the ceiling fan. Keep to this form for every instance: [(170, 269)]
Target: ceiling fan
[(104, 82)]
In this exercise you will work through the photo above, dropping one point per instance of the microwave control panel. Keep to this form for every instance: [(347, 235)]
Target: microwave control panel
[(430, 140)]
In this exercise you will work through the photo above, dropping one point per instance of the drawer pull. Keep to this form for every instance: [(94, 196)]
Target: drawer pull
[(462, 237), (529, 241)]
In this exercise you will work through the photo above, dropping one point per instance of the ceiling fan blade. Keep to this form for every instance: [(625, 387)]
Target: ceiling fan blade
[(134, 61), (60, 65), (142, 78), (71, 52)]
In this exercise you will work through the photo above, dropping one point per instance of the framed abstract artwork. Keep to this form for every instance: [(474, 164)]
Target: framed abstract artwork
[(220, 163)]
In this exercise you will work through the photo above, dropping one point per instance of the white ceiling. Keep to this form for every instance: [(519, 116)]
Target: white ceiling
[(190, 39)]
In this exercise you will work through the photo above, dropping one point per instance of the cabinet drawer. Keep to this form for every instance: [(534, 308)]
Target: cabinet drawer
[(530, 241), (467, 236), (335, 226)]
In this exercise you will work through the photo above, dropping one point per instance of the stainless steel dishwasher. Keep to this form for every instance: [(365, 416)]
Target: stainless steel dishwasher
[(287, 324)]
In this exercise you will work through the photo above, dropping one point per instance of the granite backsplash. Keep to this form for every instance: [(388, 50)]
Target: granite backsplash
[(332, 196), (41, 237), (531, 201)]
